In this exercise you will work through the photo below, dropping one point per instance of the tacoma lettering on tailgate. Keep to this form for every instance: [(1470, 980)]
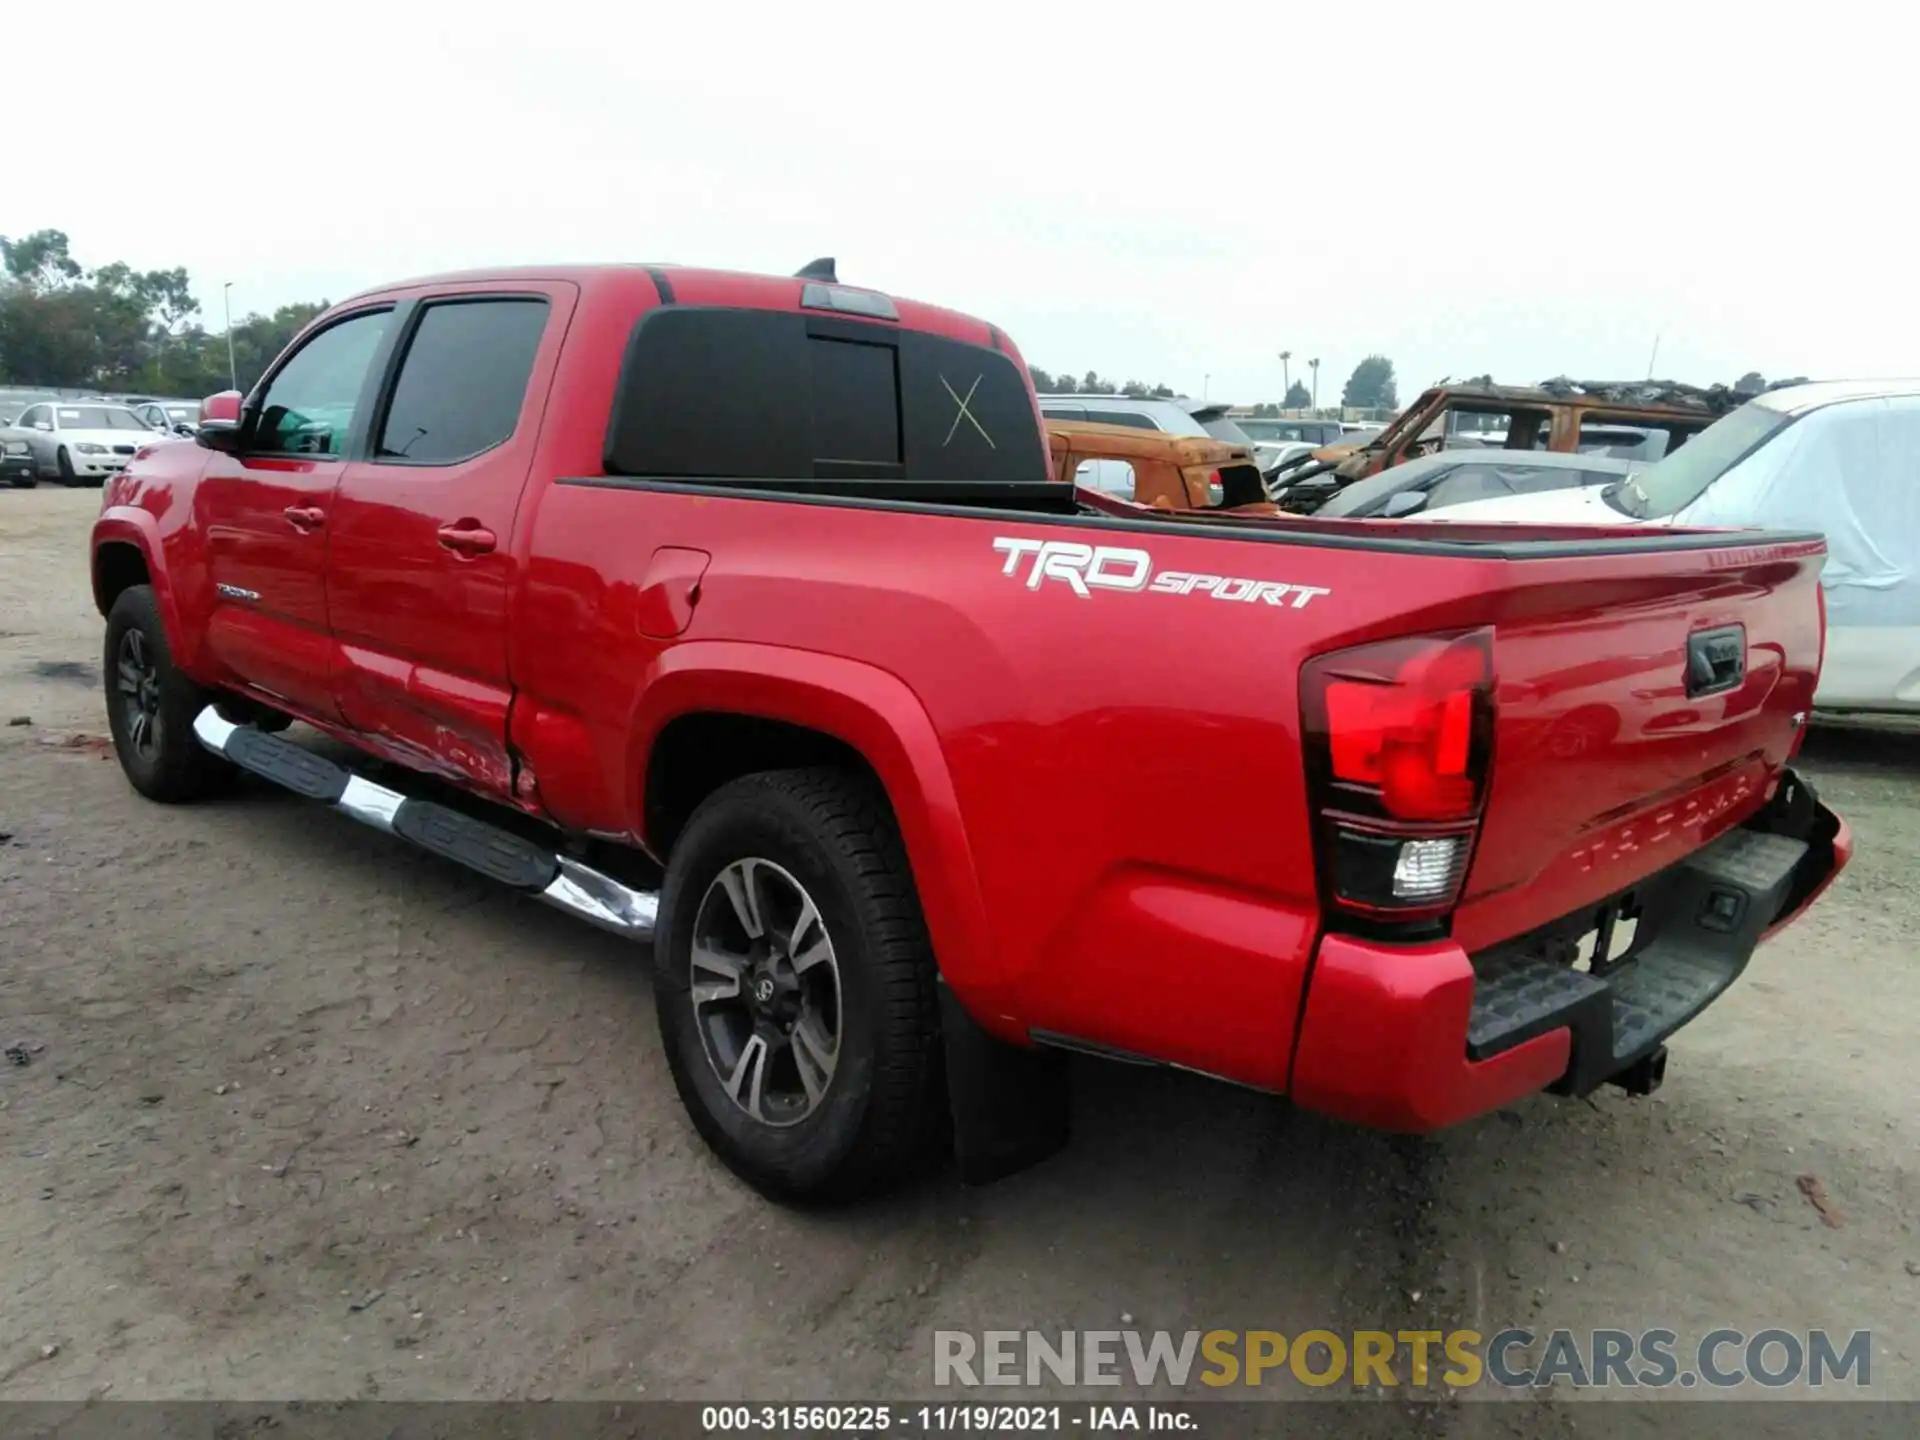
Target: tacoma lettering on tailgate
[(1655, 830), (1086, 568)]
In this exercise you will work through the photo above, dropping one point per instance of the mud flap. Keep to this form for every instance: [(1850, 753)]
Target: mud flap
[(1009, 1102)]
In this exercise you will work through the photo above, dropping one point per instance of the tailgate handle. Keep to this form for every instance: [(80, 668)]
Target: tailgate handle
[(1716, 660)]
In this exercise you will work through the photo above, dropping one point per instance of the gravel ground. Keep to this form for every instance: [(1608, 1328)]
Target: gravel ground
[(308, 1113)]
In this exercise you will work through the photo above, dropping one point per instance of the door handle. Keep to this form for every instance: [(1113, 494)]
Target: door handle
[(305, 517), (468, 537)]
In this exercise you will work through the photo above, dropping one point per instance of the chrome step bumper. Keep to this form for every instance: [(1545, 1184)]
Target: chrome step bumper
[(495, 852)]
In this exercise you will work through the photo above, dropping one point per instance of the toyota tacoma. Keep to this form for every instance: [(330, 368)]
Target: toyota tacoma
[(740, 615)]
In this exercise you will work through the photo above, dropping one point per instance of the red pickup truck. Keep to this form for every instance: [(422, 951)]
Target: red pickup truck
[(740, 614)]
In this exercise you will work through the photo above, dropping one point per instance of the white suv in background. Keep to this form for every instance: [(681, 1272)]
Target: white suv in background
[(1840, 457)]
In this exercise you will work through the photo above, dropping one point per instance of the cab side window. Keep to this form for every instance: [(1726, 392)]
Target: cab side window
[(309, 405), (463, 381)]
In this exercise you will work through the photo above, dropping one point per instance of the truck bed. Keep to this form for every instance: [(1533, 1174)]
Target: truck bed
[(1127, 747)]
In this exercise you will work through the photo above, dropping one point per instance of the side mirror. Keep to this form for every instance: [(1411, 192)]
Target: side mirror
[(224, 406), (220, 421), (1404, 502), (46, 425)]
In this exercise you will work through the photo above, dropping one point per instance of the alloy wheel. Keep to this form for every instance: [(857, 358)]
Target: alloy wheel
[(138, 683), (766, 992)]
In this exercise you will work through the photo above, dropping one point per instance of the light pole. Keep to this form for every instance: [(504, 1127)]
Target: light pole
[(1286, 379), (1206, 385), (226, 302), (1314, 365)]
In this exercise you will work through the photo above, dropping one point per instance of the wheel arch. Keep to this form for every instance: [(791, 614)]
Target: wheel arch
[(126, 552), (715, 710)]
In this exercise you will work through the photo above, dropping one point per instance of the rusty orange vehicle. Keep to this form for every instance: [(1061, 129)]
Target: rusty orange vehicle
[(1641, 420), (1158, 470)]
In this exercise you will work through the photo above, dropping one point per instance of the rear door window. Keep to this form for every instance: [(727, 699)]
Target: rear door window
[(463, 381)]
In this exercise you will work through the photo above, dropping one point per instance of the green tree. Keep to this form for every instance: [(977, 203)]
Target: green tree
[(1298, 397), (40, 261), (1042, 381), (1161, 392), (258, 339), (46, 339), (1371, 386), (119, 328), (1751, 383), (1094, 385)]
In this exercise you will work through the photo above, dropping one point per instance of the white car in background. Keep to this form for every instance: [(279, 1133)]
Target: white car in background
[(172, 417), (81, 440), (1839, 457)]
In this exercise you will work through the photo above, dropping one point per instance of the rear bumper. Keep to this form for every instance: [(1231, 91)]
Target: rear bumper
[(1415, 1038)]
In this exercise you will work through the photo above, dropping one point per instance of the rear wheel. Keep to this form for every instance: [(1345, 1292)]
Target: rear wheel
[(795, 985), (26, 481), (151, 706)]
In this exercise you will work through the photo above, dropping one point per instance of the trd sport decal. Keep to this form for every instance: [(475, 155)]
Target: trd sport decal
[(963, 411), (1086, 568)]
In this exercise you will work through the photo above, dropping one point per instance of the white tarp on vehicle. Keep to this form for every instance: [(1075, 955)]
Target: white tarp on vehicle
[(1851, 472)]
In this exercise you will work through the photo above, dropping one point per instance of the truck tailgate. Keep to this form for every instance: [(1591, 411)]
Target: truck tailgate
[(1645, 705)]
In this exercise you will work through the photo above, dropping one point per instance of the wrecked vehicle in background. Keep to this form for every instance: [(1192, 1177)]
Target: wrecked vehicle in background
[(1652, 417), (1466, 477), (1837, 457), (1157, 469)]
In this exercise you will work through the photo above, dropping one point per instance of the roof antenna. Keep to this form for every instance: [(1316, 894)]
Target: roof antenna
[(821, 269)]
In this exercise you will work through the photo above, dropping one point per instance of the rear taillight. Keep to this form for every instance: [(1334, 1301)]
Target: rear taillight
[(1216, 488), (1398, 738)]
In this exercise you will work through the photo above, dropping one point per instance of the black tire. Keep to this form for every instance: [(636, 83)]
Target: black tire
[(63, 462), (160, 756), (25, 482), (833, 833)]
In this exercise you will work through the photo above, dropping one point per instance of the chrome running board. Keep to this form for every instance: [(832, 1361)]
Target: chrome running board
[(497, 853)]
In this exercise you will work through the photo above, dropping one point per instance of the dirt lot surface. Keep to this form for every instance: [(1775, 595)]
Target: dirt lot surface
[(307, 1113)]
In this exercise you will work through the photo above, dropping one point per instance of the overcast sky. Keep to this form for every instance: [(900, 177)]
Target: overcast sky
[(1165, 193)]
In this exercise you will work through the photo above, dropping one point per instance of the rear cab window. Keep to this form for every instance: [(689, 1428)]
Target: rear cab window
[(821, 403)]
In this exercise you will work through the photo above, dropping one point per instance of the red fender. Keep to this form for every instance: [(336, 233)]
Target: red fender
[(867, 708), (131, 525)]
